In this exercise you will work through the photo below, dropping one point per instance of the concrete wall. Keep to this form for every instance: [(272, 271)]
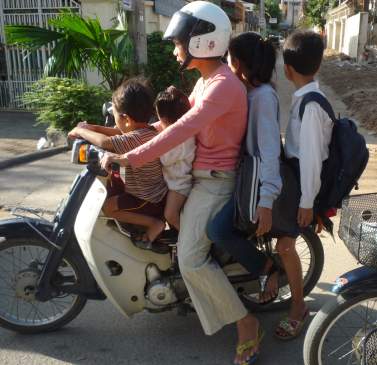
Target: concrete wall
[(104, 10), (355, 35), (293, 12), (335, 26), (346, 32), (154, 22)]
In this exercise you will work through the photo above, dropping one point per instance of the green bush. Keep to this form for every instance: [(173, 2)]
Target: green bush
[(62, 103), (162, 68)]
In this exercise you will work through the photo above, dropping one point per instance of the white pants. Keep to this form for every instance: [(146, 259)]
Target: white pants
[(214, 298)]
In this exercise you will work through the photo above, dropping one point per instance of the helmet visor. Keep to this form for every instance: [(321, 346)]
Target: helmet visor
[(183, 26)]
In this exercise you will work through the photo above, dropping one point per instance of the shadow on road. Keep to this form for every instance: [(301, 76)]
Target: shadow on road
[(20, 125), (101, 336)]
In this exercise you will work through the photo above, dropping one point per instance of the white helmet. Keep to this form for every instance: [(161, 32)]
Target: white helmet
[(203, 28)]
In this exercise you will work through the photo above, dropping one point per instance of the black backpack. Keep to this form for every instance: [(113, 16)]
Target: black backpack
[(348, 157)]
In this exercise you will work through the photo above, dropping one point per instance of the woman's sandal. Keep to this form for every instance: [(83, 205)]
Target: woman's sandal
[(263, 280), (252, 345), (288, 328)]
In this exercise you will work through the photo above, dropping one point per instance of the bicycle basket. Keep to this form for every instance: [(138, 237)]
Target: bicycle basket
[(358, 227)]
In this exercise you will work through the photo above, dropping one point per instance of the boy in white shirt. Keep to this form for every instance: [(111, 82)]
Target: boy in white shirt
[(307, 146), (170, 105)]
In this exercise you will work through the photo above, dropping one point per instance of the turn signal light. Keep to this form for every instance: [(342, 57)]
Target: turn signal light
[(83, 153)]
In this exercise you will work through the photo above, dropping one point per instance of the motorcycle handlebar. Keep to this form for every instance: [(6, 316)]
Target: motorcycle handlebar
[(85, 153)]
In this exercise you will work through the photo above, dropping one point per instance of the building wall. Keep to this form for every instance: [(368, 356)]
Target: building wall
[(154, 22), (105, 10), (354, 36), (345, 33), (336, 26), (292, 11)]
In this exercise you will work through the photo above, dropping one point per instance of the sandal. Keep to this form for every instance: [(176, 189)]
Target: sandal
[(251, 345), (263, 280), (140, 241), (288, 328)]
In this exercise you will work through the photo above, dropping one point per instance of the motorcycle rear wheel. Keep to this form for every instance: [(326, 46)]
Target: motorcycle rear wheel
[(21, 262), (310, 250)]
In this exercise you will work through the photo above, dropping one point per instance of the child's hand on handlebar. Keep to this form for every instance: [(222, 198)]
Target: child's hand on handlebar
[(109, 158), (74, 133)]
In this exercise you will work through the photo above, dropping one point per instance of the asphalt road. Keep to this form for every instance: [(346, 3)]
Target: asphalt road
[(100, 335)]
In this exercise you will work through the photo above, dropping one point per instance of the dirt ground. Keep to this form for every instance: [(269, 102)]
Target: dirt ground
[(355, 85)]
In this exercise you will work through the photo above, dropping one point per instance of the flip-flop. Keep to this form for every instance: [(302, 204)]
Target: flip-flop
[(263, 280), (291, 327), (251, 345)]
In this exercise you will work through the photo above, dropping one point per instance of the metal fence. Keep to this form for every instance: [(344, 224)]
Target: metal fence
[(18, 68)]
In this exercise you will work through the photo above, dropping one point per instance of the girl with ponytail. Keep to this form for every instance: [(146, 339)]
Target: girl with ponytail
[(253, 60)]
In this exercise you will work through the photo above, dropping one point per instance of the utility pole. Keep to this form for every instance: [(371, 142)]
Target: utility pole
[(262, 18), (293, 13), (137, 30)]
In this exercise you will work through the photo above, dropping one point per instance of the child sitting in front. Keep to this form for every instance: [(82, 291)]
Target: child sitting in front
[(170, 105), (143, 201)]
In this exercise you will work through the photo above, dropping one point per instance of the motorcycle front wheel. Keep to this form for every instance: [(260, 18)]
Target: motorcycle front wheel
[(344, 332), (21, 262), (310, 251)]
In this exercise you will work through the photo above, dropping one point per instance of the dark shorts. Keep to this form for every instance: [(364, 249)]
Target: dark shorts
[(132, 204)]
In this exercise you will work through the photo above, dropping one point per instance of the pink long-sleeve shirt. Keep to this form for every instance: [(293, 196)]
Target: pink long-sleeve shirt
[(217, 118)]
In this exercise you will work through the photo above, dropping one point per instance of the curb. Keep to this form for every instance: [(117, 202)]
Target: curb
[(33, 156)]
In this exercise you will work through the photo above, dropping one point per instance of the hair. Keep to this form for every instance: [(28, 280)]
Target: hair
[(134, 98), (172, 104), (258, 57), (303, 50)]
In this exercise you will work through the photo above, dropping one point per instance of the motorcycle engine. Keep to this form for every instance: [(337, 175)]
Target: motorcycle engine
[(159, 292)]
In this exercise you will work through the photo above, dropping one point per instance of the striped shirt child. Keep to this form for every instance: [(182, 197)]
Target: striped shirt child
[(146, 182)]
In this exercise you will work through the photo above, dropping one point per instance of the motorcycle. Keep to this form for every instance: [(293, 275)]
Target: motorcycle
[(344, 331), (49, 269)]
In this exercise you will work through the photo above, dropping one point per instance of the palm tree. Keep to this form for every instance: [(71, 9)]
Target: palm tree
[(78, 44)]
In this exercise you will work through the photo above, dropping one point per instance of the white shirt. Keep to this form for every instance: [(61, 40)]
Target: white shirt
[(177, 165), (308, 140)]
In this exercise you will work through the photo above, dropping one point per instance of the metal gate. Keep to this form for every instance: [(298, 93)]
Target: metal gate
[(19, 70)]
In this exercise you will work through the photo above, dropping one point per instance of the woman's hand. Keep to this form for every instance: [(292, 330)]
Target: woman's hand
[(304, 217), (110, 158), (264, 218)]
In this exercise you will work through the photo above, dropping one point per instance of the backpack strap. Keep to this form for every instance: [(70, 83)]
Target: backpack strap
[(321, 100)]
